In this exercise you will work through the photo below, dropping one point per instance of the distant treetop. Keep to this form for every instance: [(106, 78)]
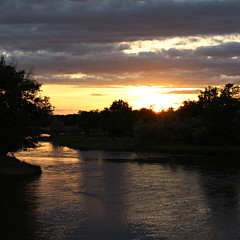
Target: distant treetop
[(120, 106)]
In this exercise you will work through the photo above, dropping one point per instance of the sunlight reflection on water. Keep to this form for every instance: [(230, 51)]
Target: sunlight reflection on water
[(81, 196)]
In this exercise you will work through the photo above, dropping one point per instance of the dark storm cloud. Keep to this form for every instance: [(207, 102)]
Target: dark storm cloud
[(118, 62), (115, 20), (231, 49)]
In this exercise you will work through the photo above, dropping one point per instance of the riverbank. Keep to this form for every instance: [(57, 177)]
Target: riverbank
[(128, 144), (13, 169)]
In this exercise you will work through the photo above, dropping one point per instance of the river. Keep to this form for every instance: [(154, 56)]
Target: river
[(80, 195)]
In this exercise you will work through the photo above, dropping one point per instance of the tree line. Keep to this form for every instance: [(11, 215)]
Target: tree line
[(213, 119)]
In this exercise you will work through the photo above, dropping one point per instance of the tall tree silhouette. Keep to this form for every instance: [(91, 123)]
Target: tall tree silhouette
[(218, 113), (117, 119), (21, 109), (120, 106)]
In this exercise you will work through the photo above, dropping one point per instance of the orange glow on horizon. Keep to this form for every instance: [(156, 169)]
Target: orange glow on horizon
[(69, 99)]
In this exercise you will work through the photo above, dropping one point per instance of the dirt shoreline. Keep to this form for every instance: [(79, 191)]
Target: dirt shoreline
[(13, 169)]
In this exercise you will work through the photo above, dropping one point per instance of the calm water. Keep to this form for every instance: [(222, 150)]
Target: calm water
[(81, 196)]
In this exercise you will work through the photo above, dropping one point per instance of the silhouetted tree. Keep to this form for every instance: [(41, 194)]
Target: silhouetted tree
[(153, 127), (21, 109), (230, 91), (88, 120), (208, 95), (118, 119), (147, 115), (68, 120), (120, 106), (217, 111)]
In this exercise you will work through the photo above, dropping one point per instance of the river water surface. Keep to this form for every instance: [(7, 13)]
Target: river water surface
[(81, 196)]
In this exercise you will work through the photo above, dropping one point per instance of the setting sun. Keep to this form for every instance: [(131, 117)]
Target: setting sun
[(158, 97)]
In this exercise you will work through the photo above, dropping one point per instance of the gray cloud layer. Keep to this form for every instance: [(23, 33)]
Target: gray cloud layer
[(71, 36), (115, 20)]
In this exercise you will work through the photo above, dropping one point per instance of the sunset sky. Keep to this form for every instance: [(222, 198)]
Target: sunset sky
[(150, 53)]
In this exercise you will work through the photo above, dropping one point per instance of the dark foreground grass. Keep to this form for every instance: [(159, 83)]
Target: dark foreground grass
[(129, 144), (12, 169)]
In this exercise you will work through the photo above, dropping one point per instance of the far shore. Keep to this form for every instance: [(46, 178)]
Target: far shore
[(129, 144)]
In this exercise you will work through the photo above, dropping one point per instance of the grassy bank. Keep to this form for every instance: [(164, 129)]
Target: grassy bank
[(94, 143), (128, 144)]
